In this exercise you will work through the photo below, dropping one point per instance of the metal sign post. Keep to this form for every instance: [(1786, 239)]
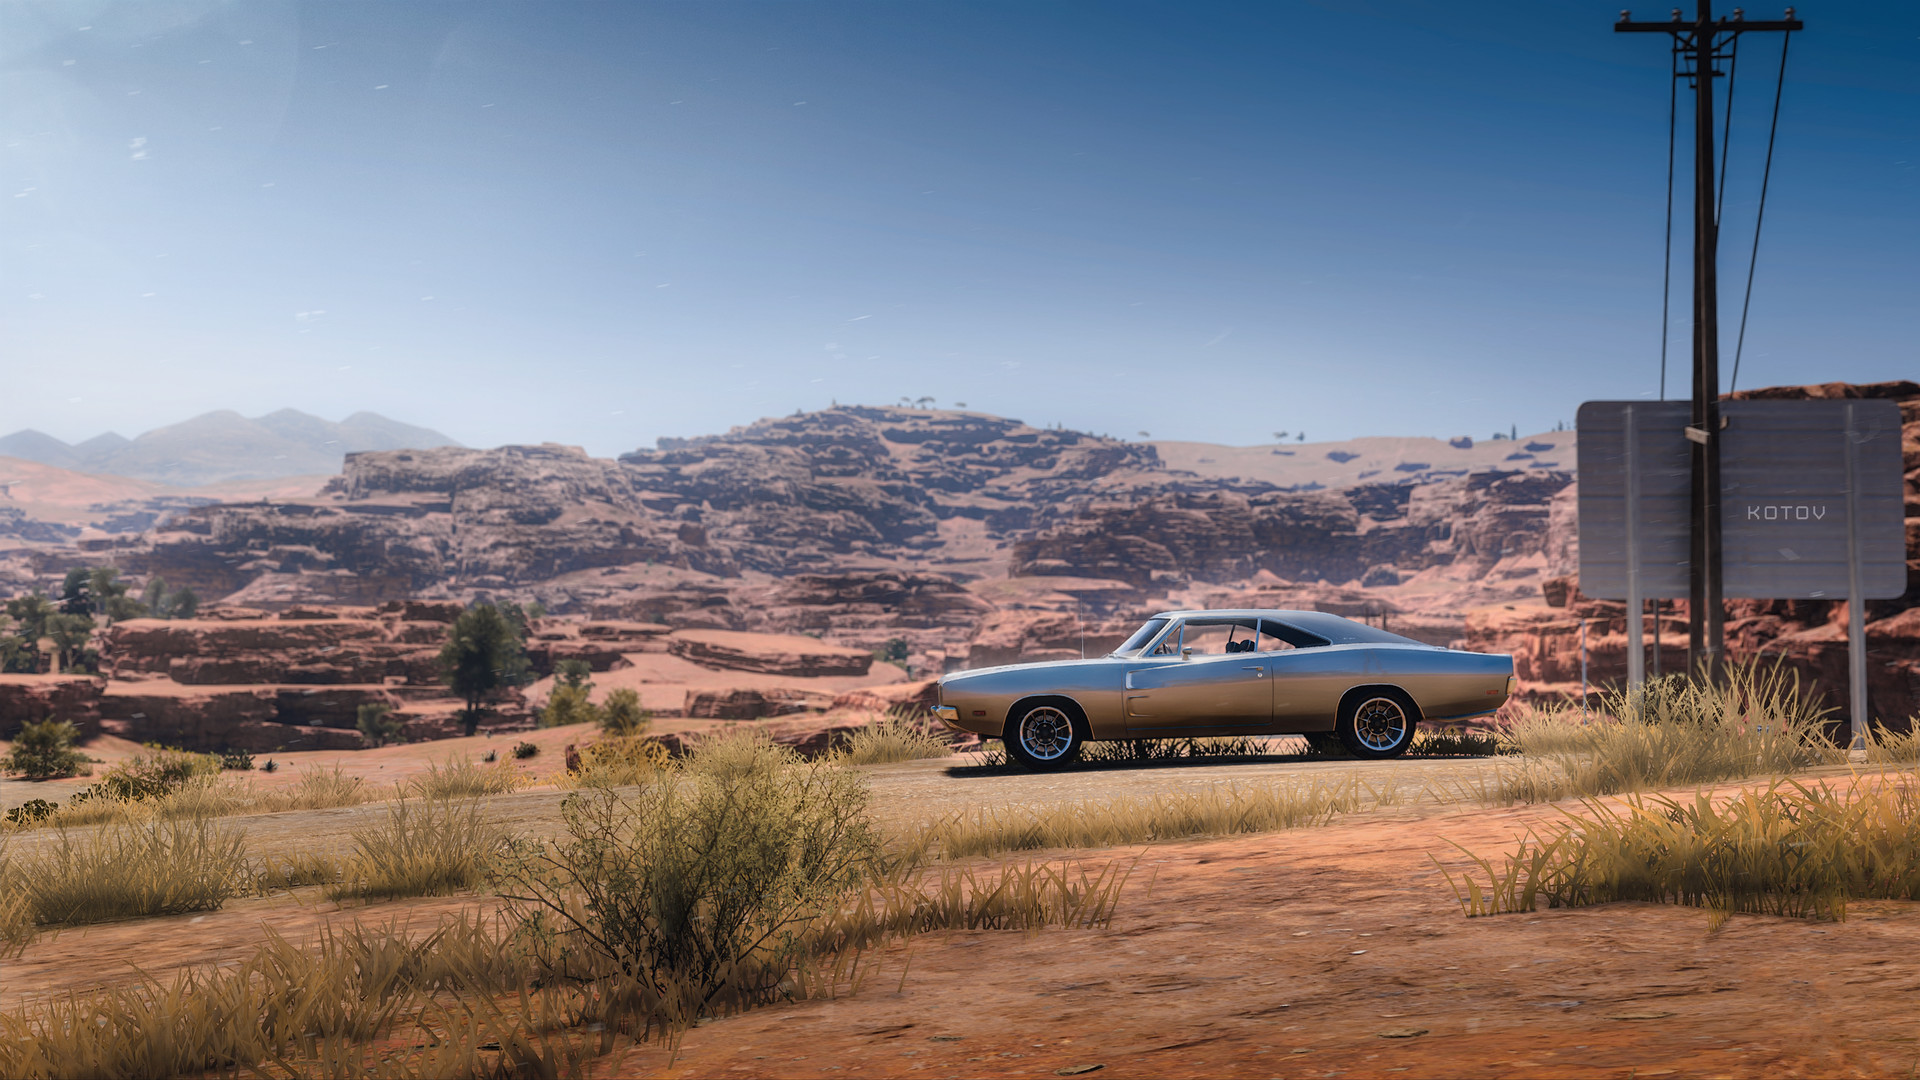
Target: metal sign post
[(1813, 509), (1636, 649), (1856, 597)]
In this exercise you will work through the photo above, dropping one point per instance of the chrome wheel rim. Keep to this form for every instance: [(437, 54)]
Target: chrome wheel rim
[(1380, 723), (1046, 733)]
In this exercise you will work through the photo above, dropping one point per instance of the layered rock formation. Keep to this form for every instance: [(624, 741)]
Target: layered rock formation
[(938, 539)]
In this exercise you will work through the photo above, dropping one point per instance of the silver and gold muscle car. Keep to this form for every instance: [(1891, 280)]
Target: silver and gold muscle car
[(1195, 673)]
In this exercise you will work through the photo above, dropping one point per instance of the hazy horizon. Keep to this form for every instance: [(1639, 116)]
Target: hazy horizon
[(602, 224)]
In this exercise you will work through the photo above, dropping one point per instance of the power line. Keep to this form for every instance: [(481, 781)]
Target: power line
[(1766, 174), (1666, 271)]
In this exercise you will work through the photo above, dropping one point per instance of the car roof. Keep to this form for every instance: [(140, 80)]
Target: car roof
[(1338, 630)]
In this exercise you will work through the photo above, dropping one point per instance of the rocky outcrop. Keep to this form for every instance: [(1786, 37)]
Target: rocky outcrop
[(772, 654), (30, 699), (753, 704)]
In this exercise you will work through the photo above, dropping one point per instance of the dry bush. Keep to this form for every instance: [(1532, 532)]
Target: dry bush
[(1679, 730), (1789, 849), (426, 847), (1131, 819), (132, 868), (458, 778), (618, 763), (679, 882), (898, 736)]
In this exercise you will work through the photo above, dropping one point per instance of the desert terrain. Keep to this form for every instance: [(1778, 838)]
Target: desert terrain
[(1330, 949)]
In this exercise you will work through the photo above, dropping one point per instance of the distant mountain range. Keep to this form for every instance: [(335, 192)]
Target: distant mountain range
[(218, 447)]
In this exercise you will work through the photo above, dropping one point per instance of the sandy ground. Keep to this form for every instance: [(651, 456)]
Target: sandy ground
[(1327, 951)]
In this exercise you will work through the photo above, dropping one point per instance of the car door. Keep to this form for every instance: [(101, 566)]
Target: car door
[(1199, 685)]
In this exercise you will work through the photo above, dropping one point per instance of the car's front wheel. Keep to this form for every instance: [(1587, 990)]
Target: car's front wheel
[(1043, 736), (1377, 723)]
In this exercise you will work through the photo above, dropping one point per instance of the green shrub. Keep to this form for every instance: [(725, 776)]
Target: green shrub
[(31, 812), (377, 723), (622, 716), (573, 671), (150, 776), (568, 705), (525, 750), (44, 751), (237, 760)]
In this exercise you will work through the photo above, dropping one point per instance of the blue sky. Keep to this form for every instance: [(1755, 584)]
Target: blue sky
[(599, 223)]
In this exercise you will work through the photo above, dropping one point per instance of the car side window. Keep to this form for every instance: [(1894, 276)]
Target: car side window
[(1270, 641), (1210, 637), (1290, 637)]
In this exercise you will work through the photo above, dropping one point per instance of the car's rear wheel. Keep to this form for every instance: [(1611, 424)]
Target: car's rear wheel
[(1377, 723), (1043, 736)]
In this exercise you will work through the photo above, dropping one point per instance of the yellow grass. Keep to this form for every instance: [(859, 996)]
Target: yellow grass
[(129, 869), (458, 778), (1788, 849), (1130, 819), (425, 847)]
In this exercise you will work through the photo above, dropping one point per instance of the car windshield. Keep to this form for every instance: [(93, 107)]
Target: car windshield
[(1140, 638)]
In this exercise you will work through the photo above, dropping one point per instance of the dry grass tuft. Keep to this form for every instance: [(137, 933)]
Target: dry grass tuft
[(130, 869), (1680, 730), (426, 847), (318, 789), (898, 736), (1788, 849), (458, 778), (314, 1009), (1894, 747)]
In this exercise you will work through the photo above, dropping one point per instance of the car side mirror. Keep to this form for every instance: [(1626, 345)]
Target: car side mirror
[(1186, 653)]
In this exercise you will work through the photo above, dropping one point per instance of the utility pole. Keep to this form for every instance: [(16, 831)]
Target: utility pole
[(1697, 45)]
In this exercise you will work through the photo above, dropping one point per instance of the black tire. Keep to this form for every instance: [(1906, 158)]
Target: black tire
[(1044, 736), (1377, 723)]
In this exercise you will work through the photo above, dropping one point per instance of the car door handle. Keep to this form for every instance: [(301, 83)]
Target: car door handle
[(1259, 671)]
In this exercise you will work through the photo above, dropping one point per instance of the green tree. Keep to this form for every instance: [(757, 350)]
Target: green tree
[(482, 656), (70, 635), (568, 704), (621, 713), (180, 603), (44, 751), (98, 591), (76, 592), (377, 723), (573, 671), (31, 613)]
